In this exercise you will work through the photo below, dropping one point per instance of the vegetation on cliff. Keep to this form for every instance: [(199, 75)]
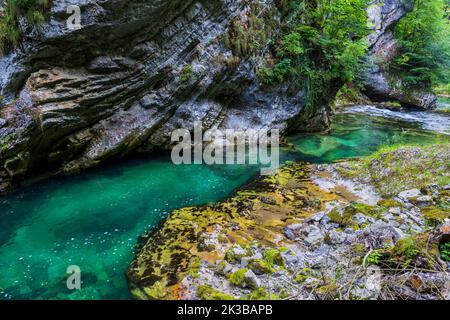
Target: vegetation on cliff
[(11, 29), (322, 44), (424, 57)]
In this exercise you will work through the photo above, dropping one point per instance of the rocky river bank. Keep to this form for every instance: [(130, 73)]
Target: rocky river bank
[(374, 228)]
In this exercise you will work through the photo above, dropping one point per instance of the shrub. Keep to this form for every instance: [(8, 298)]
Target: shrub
[(322, 42), (445, 251)]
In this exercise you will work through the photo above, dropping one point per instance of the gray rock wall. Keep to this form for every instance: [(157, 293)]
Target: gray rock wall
[(75, 98), (382, 85)]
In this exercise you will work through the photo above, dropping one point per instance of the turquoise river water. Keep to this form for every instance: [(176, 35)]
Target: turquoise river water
[(94, 220)]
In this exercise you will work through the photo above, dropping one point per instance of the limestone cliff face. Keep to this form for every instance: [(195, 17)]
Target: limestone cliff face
[(382, 85), (133, 73)]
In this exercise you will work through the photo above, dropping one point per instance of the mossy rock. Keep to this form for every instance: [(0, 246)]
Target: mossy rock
[(205, 292), (329, 291), (236, 253), (345, 218), (435, 215), (261, 294), (238, 278), (390, 203), (259, 266), (273, 257), (304, 274), (419, 251), (177, 249)]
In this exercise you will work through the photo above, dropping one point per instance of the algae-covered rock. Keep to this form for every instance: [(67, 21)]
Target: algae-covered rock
[(259, 211)]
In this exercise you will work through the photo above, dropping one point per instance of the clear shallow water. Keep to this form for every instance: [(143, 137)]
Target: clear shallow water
[(94, 220), (361, 130), (443, 104)]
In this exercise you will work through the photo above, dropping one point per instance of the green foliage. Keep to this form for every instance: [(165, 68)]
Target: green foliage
[(445, 251), (249, 36), (442, 89), (259, 266), (434, 215), (10, 32), (407, 247), (238, 278), (273, 257), (261, 294), (187, 74), (424, 58), (322, 45), (374, 257)]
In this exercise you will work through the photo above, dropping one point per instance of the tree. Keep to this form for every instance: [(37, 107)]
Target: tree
[(323, 42), (424, 34)]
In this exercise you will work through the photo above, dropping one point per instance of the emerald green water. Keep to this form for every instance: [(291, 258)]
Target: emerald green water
[(94, 220)]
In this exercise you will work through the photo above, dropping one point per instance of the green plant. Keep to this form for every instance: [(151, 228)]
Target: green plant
[(260, 266), (238, 278), (187, 74), (249, 36), (261, 294), (206, 292), (10, 30), (322, 45), (445, 251), (273, 257), (407, 247), (374, 257)]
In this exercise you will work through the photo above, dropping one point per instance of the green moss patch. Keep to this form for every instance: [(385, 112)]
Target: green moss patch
[(206, 292), (238, 278), (435, 215)]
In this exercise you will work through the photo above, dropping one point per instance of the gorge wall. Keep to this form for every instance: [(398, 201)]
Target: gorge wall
[(381, 84), (136, 71)]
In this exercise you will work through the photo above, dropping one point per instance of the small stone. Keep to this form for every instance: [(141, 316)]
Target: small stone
[(360, 219), (409, 194), (423, 200), (314, 236), (397, 233), (224, 268), (289, 233), (395, 211), (348, 231), (336, 237), (289, 258), (251, 280), (292, 230), (245, 261)]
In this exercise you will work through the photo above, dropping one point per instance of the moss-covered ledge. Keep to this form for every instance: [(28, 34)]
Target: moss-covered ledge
[(258, 211)]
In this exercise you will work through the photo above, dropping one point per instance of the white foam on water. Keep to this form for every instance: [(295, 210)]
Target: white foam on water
[(427, 120)]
